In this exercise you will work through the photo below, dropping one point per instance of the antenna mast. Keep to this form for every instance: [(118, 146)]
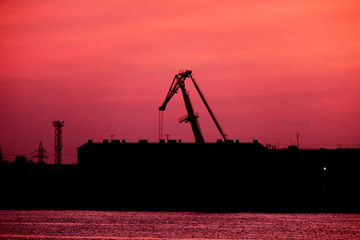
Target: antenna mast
[(58, 141)]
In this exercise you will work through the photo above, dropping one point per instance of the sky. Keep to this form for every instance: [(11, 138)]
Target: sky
[(269, 70)]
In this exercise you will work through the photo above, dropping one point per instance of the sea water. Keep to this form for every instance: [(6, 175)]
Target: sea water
[(44, 224)]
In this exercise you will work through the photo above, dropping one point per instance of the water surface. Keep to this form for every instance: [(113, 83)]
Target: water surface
[(43, 224)]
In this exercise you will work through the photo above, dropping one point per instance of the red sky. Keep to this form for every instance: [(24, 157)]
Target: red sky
[(267, 68)]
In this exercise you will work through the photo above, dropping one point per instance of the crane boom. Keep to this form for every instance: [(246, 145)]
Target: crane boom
[(179, 82), (208, 108)]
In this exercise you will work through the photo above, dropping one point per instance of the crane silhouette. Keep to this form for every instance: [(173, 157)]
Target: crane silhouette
[(179, 82)]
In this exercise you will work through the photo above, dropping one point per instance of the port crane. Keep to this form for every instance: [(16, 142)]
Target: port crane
[(179, 82)]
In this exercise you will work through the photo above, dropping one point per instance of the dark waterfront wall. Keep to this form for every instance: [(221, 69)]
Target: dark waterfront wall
[(190, 177)]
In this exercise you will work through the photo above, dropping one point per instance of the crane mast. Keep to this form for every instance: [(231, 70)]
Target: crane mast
[(179, 82)]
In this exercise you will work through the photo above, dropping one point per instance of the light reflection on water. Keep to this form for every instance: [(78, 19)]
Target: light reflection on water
[(175, 225)]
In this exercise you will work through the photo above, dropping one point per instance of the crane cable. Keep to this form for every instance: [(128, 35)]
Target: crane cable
[(161, 124)]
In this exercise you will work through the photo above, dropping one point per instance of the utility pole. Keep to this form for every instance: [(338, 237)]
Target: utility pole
[(111, 137), (40, 154), (58, 141), (167, 136), (297, 140)]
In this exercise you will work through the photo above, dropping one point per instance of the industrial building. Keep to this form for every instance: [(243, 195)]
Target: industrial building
[(222, 176), (116, 152)]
